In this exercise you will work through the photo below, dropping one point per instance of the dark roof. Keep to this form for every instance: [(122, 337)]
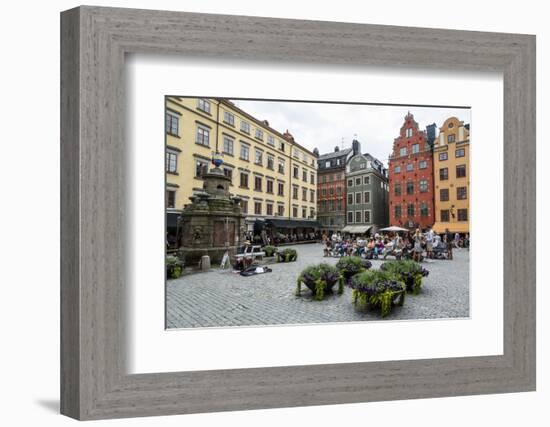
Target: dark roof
[(334, 154)]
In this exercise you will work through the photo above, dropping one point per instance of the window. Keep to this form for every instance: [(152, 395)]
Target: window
[(304, 176), (410, 167), (357, 181), (245, 127), (350, 199), (403, 151), (312, 195), (350, 217), (281, 166), (339, 205), (397, 189), (327, 164), (357, 198), (367, 216), (444, 195), (443, 156), (423, 185), (295, 192), (201, 167), (397, 211), (460, 152), (358, 216), (269, 186), (228, 145), (280, 189), (331, 191), (281, 210), (258, 157), (271, 140), (257, 183), (397, 169), (269, 209), (244, 180), (170, 199), (410, 209), (257, 208), (410, 187), (416, 148), (228, 172), (245, 152), (311, 213), (172, 124), (281, 146), (461, 193), (451, 138), (312, 178), (304, 194), (461, 171), (203, 135), (295, 172), (244, 206), (324, 191), (171, 162), (259, 134), (408, 132), (338, 191), (229, 118), (270, 162), (296, 153), (422, 164), (304, 212), (367, 197), (295, 211), (350, 182), (366, 180), (423, 209), (362, 165), (204, 105), (444, 215), (443, 174)]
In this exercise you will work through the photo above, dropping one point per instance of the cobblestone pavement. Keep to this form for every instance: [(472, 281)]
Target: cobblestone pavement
[(222, 298)]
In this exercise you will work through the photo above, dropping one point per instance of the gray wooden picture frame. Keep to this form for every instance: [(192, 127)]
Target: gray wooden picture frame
[(94, 41)]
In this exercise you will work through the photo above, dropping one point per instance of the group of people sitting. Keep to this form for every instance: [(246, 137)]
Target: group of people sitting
[(409, 246)]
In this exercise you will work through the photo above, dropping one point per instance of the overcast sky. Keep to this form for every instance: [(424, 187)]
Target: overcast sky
[(324, 125)]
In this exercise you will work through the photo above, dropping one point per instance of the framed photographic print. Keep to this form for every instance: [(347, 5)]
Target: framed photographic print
[(283, 215)]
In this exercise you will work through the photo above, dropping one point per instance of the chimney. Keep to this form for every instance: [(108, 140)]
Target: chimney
[(265, 122), (336, 149)]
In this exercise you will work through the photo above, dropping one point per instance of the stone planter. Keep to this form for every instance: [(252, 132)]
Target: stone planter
[(320, 280)]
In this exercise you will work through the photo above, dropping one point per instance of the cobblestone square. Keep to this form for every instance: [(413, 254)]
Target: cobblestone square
[(221, 298)]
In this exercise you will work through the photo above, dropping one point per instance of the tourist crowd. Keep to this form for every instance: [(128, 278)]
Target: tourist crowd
[(411, 245)]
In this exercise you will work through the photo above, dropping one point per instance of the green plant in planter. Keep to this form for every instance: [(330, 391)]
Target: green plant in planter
[(408, 271), (349, 266), (174, 267), (287, 255), (320, 279), (376, 288), (269, 251)]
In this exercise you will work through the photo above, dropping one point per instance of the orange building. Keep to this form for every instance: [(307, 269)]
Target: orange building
[(452, 177)]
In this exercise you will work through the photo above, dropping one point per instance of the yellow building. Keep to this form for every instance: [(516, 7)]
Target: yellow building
[(274, 175), (452, 177)]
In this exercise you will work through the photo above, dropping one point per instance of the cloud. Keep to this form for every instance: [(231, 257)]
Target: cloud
[(325, 125)]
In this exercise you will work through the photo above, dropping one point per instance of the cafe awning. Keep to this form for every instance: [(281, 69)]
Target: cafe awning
[(292, 223), (356, 229)]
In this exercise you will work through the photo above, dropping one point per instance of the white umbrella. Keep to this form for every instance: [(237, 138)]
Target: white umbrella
[(393, 228)]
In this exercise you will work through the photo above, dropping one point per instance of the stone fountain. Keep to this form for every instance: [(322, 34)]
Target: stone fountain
[(212, 223)]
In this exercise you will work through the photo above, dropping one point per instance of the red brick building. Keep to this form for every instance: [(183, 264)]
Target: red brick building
[(411, 176), (331, 190)]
